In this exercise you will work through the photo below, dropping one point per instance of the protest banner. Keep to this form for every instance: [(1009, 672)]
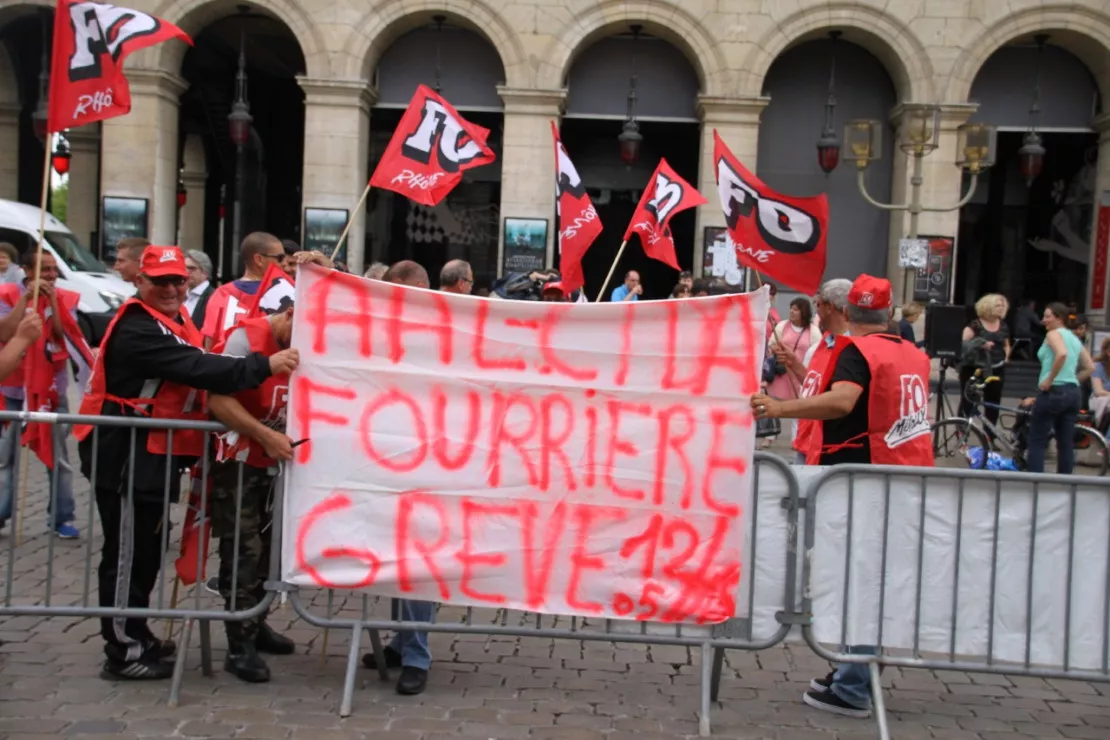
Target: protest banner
[(554, 457)]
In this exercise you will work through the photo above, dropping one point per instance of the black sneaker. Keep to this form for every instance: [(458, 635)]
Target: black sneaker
[(144, 669), (243, 662), (822, 684), (268, 641), (392, 659), (827, 701), (412, 681)]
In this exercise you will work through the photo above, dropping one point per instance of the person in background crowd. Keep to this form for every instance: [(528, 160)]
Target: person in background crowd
[(257, 439), (870, 413), (409, 649), (795, 336), (681, 291), (773, 318), (456, 277), (809, 373), (986, 347), (150, 364), (128, 253), (1064, 363), (289, 264), (200, 284), (686, 278), (630, 290), (1100, 386), (701, 287), (10, 271), (1078, 326), (11, 356), (911, 312), (554, 292), (1027, 328), (14, 300), (376, 271)]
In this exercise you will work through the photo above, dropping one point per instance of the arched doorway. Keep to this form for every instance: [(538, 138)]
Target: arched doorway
[(255, 185), (798, 85), (24, 44), (597, 105), (1029, 237), (465, 67)]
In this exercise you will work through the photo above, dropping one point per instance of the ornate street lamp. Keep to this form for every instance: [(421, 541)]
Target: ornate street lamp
[(1031, 154), (240, 119), (828, 144), (40, 118), (630, 137), (59, 160), (439, 21)]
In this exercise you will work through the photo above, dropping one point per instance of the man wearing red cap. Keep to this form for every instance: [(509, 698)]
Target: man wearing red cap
[(150, 365), (873, 409)]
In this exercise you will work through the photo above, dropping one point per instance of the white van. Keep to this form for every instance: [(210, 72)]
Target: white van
[(101, 290)]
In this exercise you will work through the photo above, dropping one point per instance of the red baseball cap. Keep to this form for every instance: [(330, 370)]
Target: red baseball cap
[(163, 262), (870, 292), (555, 285)]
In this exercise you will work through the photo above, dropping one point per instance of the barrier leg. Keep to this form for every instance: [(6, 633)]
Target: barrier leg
[(205, 628), (379, 654), (877, 700), (179, 665), (705, 687), (718, 666), (352, 670)]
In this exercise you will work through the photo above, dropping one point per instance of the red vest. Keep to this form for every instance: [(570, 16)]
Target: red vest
[(898, 428), (265, 403), (808, 437), (67, 301), (227, 306), (169, 401)]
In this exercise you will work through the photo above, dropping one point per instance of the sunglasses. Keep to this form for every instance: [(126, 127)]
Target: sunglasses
[(168, 281)]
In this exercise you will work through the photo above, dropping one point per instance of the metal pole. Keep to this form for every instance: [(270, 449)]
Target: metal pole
[(916, 181), (237, 213)]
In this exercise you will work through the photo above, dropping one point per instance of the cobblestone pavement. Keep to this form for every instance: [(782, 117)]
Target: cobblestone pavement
[(480, 687)]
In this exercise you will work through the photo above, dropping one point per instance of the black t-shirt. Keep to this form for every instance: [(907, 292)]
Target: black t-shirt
[(851, 367)]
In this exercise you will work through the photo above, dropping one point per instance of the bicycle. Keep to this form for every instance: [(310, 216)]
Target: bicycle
[(971, 440)]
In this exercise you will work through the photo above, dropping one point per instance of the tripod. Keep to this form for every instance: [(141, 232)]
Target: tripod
[(944, 408)]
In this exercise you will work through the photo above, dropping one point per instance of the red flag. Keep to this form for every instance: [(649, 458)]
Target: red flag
[(45, 359), (91, 40), (195, 533), (431, 148), (579, 224), (780, 236), (665, 195), (275, 293)]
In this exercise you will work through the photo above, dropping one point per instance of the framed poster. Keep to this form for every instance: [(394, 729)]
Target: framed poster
[(719, 258), (322, 229), (933, 282), (525, 241), (121, 218)]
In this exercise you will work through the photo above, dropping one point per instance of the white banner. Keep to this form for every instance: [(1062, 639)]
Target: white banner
[(563, 458)]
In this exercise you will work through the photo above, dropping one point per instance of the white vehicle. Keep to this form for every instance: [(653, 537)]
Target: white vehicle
[(102, 291)]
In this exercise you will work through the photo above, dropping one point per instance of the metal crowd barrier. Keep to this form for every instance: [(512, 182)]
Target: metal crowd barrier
[(938, 569), (879, 528)]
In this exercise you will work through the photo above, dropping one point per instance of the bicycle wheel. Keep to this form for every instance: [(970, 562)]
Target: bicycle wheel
[(1091, 456), (954, 441)]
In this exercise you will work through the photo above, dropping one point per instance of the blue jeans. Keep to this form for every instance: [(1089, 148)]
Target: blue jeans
[(1054, 411), (65, 511), (413, 646), (852, 681)]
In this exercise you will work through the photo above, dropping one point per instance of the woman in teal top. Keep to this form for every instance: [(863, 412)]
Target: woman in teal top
[(1064, 362)]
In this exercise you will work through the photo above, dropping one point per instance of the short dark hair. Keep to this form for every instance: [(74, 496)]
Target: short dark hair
[(27, 259), (1059, 310), (685, 274), (133, 246), (701, 285), (406, 272), (291, 247), (254, 243)]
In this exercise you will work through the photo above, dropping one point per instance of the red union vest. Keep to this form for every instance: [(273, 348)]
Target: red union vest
[(266, 402), (808, 437), (168, 400), (67, 301), (227, 306), (898, 428)]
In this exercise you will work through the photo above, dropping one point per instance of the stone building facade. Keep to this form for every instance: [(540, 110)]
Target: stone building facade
[(928, 51)]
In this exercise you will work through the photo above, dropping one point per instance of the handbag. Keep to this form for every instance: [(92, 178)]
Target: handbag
[(772, 368)]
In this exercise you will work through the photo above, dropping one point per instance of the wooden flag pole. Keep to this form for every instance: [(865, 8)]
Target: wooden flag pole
[(612, 269), (350, 222), (34, 307)]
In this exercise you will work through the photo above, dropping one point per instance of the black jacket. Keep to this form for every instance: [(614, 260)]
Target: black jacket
[(202, 305), (141, 349)]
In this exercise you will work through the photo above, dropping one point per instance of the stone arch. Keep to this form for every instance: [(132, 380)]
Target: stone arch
[(192, 16), (891, 41), (667, 21), (387, 22), (1091, 45)]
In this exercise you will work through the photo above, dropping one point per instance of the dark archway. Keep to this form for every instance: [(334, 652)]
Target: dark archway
[(798, 86), (25, 33), (273, 156)]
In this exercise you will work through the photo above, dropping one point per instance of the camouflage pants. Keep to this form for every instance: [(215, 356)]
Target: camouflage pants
[(251, 563)]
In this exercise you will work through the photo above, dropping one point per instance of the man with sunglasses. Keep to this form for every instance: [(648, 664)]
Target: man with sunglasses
[(228, 305), (150, 365)]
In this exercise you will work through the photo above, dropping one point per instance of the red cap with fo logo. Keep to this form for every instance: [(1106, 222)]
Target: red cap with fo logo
[(871, 293)]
